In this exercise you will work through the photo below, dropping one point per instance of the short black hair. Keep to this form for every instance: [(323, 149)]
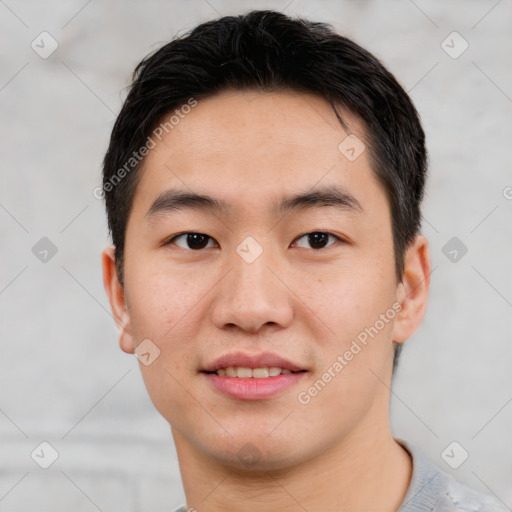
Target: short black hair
[(269, 51)]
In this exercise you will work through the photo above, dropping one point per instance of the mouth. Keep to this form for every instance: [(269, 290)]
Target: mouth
[(245, 376), (243, 372)]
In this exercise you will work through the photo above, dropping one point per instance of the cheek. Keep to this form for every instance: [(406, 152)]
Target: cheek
[(161, 302), (163, 307), (350, 299), (350, 303)]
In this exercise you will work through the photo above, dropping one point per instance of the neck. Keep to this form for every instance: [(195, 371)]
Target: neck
[(368, 471)]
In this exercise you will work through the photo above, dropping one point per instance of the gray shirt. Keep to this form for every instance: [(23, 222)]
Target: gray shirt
[(433, 490)]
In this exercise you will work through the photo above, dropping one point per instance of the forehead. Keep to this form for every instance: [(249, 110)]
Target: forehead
[(251, 148)]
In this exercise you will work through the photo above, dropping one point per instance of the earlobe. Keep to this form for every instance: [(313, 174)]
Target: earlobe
[(116, 297), (412, 292)]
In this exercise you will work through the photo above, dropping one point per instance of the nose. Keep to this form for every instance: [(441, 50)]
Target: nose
[(252, 295)]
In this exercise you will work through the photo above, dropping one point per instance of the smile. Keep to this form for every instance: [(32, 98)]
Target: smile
[(242, 372)]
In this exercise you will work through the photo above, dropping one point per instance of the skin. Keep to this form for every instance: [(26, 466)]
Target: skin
[(308, 305)]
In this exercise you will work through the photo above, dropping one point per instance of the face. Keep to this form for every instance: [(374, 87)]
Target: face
[(290, 264)]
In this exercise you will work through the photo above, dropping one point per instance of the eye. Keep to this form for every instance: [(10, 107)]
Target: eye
[(318, 239), (197, 241), (194, 241)]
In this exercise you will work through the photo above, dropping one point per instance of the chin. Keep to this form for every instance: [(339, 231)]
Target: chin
[(257, 453), (250, 460)]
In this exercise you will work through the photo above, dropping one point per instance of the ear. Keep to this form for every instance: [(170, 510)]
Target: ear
[(412, 292), (117, 300)]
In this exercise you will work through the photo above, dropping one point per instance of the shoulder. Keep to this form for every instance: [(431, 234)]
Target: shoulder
[(464, 499), (432, 489)]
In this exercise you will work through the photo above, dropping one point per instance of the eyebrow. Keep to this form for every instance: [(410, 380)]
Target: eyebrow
[(179, 200)]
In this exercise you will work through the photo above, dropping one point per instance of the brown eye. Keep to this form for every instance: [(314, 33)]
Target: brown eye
[(193, 241), (318, 239)]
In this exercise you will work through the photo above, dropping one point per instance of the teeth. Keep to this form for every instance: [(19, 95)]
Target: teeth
[(243, 373), (260, 373), (257, 373)]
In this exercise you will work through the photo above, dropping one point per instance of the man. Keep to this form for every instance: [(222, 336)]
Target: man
[(263, 187)]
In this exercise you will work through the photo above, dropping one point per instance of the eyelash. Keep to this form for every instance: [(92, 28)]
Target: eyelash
[(175, 237)]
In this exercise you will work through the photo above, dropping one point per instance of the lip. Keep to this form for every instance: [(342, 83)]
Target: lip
[(252, 388), (246, 360)]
